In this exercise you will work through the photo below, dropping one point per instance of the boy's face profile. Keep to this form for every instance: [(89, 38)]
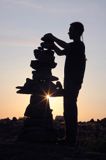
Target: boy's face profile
[(71, 32), (74, 32)]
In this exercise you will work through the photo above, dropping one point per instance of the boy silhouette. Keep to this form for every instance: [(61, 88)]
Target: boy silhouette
[(73, 75)]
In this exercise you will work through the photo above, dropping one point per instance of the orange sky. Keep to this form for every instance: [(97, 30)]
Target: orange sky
[(23, 23)]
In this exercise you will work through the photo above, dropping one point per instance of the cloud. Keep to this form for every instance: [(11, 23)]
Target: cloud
[(25, 3), (45, 6), (18, 41)]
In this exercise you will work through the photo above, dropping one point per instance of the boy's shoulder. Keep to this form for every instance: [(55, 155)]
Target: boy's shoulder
[(75, 44)]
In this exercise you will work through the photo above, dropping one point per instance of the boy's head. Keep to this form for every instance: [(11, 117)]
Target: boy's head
[(76, 30)]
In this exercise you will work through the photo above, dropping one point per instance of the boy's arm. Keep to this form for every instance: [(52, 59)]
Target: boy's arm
[(60, 42), (59, 51)]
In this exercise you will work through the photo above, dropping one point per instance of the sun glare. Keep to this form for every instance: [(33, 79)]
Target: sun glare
[(47, 96)]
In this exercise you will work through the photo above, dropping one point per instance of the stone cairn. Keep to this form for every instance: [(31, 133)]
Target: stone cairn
[(38, 123)]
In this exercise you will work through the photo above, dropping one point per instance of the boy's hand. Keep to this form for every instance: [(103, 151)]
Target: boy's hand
[(48, 37)]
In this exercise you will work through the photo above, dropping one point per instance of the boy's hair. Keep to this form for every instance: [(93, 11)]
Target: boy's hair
[(78, 26)]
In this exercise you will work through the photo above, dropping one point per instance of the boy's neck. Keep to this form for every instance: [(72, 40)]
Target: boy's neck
[(76, 39)]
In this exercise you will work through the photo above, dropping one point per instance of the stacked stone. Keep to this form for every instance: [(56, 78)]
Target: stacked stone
[(38, 124)]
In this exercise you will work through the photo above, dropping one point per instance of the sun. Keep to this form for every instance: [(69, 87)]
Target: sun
[(47, 96)]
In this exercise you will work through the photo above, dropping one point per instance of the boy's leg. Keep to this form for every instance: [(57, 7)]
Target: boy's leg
[(70, 115)]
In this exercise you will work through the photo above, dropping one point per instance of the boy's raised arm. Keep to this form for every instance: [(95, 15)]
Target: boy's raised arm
[(60, 42)]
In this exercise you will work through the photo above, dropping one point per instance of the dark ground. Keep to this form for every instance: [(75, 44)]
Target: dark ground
[(91, 144)]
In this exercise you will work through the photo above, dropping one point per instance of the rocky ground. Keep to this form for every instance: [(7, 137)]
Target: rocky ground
[(91, 145), (20, 151)]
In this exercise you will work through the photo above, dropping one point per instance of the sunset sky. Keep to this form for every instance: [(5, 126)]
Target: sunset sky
[(23, 23)]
